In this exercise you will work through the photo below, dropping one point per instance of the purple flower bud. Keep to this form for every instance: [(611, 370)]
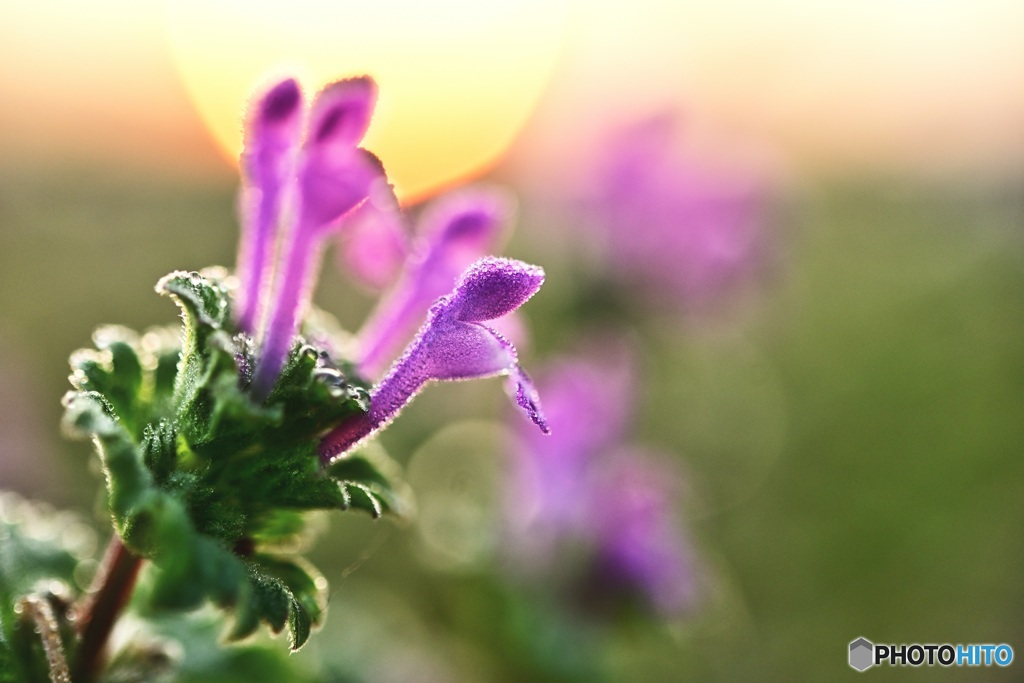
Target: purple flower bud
[(454, 232), (375, 242), (454, 344), (271, 138), (333, 177)]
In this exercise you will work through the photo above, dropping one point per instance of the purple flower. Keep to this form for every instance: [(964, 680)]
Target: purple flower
[(453, 232), (688, 232), (639, 546), (375, 243), (454, 344), (304, 192), (589, 401), (271, 136), (296, 191), (582, 486)]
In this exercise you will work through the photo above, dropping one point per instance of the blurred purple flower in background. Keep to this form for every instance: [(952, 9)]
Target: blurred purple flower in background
[(686, 231), (375, 243), (585, 487), (632, 500)]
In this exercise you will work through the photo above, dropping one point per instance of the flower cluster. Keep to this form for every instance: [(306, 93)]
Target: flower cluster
[(298, 190), (217, 440)]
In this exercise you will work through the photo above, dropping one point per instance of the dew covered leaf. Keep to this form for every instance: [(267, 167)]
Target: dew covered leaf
[(211, 486), (372, 481)]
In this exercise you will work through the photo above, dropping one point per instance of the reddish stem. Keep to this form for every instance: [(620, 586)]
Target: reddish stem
[(96, 618)]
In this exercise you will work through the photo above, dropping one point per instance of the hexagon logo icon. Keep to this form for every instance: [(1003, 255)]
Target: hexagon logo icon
[(862, 654)]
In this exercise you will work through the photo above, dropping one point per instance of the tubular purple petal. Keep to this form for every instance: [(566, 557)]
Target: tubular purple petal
[(333, 182), (451, 348), (342, 111), (271, 136), (293, 290), (527, 398), (375, 242), (455, 231), (333, 178), (493, 287)]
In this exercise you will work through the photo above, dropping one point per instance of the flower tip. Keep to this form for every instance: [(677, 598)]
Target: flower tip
[(493, 287), (528, 399), (281, 101), (341, 112), (475, 215)]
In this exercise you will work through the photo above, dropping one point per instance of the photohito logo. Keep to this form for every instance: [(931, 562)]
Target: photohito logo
[(864, 654)]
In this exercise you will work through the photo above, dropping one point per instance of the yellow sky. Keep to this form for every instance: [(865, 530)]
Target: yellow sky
[(848, 85), (830, 83), (458, 78)]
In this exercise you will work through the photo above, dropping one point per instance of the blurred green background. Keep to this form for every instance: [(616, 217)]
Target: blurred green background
[(852, 443)]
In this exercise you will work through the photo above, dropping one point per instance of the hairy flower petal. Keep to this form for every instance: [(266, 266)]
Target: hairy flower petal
[(334, 175), (342, 111), (527, 397), (454, 232), (493, 287), (333, 178), (451, 347), (271, 138)]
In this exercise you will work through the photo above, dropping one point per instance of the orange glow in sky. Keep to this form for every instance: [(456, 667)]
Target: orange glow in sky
[(914, 84)]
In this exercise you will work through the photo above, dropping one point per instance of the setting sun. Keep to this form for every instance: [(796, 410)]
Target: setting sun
[(457, 79)]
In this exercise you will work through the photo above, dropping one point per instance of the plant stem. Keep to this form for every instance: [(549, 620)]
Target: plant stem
[(38, 611), (96, 618)]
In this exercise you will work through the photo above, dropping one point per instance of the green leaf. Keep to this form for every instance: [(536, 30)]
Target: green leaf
[(41, 551), (160, 449), (305, 592), (191, 567), (185, 648), (201, 296), (204, 481), (205, 310), (114, 370), (128, 481), (314, 393), (271, 598), (371, 481)]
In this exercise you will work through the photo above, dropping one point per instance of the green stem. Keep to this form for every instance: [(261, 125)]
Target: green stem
[(111, 590), (38, 611)]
